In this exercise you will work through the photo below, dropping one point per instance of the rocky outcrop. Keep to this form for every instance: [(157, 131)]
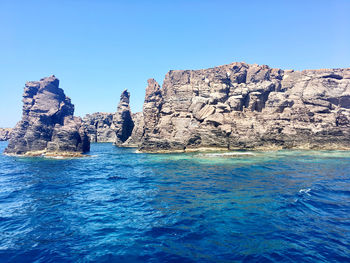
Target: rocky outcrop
[(152, 106), (122, 128), (5, 134), (243, 106), (137, 132), (100, 127), (122, 119), (47, 125)]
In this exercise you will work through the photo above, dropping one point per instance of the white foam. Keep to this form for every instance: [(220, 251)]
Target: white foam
[(227, 154), (305, 191), (53, 157)]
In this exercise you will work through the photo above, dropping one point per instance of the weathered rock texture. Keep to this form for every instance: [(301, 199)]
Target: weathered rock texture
[(122, 119), (5, 134), (100, 127), (48, 125), (123, 128), (242, 106), (137, 132)]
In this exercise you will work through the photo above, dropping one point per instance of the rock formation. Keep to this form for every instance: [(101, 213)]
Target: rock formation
[(48, 125), (122, 128), (100, 127), (243, 106), (5, 134), (122, 119), (137, 132)]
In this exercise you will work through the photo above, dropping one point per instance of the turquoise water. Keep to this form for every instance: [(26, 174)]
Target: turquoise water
[(119, 206)]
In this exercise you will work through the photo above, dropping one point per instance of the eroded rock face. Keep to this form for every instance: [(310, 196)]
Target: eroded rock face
[(47, 124), (137, 132), (122, 128), (242, 106), (5, 134), (122, 119), (100, 127)]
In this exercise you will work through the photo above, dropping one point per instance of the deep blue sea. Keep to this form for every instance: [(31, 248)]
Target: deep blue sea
[(121, 206)]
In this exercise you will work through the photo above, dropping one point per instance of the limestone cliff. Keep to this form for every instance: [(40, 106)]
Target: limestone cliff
[(47, 125), (243, 106)]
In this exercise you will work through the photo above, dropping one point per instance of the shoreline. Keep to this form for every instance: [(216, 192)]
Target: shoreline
[(267, 148), (45, 153)]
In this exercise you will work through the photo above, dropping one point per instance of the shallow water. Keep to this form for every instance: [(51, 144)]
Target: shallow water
[(119, 206)]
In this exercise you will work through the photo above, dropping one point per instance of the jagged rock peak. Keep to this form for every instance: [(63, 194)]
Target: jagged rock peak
[(122, 119), (153, 88), (47, 125), (45, 98), (152, 105), (125, 97), (122, 128)]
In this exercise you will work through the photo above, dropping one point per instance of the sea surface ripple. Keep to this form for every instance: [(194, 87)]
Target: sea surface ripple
[(120, 206)]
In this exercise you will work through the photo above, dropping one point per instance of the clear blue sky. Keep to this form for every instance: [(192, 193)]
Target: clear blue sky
[(98, 48)]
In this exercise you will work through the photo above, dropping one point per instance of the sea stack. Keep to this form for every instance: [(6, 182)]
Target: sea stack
[(245, 106), (122, 120), (48, 126), (123, 128)]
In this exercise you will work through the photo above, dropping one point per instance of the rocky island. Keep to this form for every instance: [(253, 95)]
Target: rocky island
[(48, 126), (229, 107), (244, 106)]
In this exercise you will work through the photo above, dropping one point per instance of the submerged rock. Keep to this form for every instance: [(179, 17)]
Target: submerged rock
[(5, 134), (243, 106), (47, 125)]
